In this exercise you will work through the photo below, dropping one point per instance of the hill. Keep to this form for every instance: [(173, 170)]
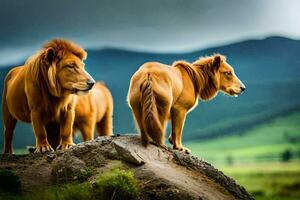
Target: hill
[(262, 143), (270, 69), (264, 159), (187, 177)]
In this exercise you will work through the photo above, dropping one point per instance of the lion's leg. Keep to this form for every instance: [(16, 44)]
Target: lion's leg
[(9, 127), (105, 125), (177, 120), (9, 124), (137, 115), (66, 129), (42, 144), (87, 129), (163, 115)]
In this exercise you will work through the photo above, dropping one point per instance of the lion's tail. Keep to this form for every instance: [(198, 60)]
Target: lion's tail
[(150, 119)]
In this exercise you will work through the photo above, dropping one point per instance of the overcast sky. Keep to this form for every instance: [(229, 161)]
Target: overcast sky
[(148, 25)]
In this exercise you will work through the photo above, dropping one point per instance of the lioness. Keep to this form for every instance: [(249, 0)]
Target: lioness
[(95, 110), (158, 92), (44, 90), (92, 110)]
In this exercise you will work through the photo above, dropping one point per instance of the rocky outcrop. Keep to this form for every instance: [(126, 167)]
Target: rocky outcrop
[(162, 173)]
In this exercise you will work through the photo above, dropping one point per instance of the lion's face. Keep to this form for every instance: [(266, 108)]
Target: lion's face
[(66, 73), (229, 83), (72, 76)]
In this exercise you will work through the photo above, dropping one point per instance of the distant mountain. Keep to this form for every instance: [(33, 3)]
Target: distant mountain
[(270, 69)]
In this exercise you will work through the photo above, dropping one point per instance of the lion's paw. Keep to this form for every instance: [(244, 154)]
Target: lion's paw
[(43, 148), (186, 150), (64, 146), (183, 149)]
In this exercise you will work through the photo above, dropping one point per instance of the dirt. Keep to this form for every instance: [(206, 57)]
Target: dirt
[(162, 173)]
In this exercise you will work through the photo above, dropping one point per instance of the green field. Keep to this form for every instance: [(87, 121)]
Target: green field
[(268, 181), (266, 142), (255, 158)]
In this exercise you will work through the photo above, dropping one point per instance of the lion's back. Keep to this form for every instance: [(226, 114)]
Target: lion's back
[(15, 93), (161, 81)]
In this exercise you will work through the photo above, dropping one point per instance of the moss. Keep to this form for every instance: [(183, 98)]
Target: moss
[(49, 194), (64, 192), (75, 192), (116, 184), (9, 181)]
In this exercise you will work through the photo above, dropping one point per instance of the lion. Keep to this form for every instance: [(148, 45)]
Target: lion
[(92, 110), (158, 93), (45, 90)]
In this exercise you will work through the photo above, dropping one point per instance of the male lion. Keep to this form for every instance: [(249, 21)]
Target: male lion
[(44, 90), (158, 93)]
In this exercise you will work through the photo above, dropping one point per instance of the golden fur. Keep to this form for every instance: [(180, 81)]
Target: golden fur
[(95, 109), (43, 91), (158, 92), (92, 110)]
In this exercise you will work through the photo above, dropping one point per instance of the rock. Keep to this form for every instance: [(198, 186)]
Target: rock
[(68, 168), (128, 154), (162, 173), (205, 168)]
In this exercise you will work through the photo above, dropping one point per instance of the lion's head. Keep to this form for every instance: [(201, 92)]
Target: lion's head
[(59, 65), (228, 82), (217, 75)]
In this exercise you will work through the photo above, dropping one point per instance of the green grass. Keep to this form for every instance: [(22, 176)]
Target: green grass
[(116, 184), (254, 158), (9, 181), (262, 143), (268, 181)]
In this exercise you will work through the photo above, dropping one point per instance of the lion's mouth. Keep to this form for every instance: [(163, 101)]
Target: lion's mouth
[(81, 87), (82, 90), (234, 93)]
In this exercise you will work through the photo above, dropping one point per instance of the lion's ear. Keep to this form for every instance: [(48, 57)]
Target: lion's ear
[(217, 62), (54, 88), (50, 55), (84, 56)]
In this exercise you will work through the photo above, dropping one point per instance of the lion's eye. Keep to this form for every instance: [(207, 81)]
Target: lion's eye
[(228, 73), (72, 66)]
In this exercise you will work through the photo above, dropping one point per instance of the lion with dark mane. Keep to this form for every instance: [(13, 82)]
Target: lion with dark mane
[(44, 90)]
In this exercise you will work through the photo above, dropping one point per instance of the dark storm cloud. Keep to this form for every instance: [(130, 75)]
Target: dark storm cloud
[(156, 25)]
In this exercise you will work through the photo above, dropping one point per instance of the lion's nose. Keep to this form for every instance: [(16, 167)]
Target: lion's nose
[(90, 83), (243, 88)]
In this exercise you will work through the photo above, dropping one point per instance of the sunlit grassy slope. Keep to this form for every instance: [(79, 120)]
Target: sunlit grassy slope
[(268, 181), (265, 142), (254, 159)]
